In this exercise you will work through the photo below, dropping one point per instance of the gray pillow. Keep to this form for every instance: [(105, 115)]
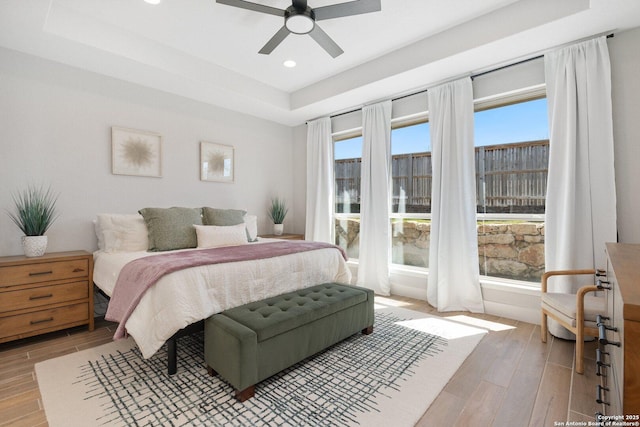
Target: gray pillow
[(213, 216), (171, 228)]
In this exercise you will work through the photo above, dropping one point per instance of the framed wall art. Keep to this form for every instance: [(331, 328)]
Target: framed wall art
[(216, 162), (136, 152)]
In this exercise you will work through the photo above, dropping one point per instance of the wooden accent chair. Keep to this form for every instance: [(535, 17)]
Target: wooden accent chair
[(576, 312)]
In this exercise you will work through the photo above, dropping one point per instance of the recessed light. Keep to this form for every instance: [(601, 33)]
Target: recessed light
[(154, 2), (289, 63)]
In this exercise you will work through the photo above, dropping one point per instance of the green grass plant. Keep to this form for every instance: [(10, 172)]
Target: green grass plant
[(35, 210), (278, 210)]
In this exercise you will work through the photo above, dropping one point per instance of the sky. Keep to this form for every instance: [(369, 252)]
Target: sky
[(526, 121)]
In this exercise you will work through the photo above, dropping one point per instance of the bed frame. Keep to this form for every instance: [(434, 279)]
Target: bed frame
[(172, 343)]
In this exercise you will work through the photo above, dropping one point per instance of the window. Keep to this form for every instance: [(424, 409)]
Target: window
[(348, 159), (411, 203), (512, 155)]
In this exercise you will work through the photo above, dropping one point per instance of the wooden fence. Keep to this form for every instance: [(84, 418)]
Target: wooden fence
[(510, 178)]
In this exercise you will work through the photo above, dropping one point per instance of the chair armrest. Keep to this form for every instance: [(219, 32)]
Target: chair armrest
[(580, 301), (548, 274)]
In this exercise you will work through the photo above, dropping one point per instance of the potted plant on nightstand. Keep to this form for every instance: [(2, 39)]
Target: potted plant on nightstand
[(35, 211), (277, 212)]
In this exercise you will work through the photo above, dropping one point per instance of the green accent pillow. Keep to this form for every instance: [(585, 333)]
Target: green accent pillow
[(171, 228), (213, 216)]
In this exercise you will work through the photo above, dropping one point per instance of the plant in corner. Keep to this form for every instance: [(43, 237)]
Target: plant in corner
[(35, 211), (277, 212)]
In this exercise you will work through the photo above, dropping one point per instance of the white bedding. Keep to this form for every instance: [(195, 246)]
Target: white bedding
[(187, 296)]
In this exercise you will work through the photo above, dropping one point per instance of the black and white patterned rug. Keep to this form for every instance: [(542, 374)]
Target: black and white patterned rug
[(387, 378)]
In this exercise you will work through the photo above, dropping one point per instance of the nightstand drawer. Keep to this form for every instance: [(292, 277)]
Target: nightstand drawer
[(43, 272), (43, 295), (53, 318)]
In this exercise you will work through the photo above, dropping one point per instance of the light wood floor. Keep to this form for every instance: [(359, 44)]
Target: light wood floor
[(511, 379)]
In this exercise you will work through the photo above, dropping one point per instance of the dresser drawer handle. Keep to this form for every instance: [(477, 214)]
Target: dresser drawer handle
[(78, 270), (602, 335), (599, 390), (35, 322), (603, 284), (35, 297), (41, 273), (600, 364)]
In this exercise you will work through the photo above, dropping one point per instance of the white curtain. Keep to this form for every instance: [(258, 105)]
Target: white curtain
[(320, 182), (581, 196), (375, 200), (454, 276)]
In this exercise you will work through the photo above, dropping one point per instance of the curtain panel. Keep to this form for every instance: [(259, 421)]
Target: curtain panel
[(375, 203), (320, 181), (581, 198), (454, 276)]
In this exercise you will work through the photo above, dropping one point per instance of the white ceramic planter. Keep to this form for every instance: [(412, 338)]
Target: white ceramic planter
[(277, 229), (34, 246)]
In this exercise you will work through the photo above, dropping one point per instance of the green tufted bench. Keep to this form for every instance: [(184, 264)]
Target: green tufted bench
[(250, 343)]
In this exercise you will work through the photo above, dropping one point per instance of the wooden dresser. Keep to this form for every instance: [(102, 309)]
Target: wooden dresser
[(285, 236), (44, 294), (622, 377)]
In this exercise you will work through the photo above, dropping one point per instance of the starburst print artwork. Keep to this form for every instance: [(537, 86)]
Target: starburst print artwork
[(136, 152), (216, 162)]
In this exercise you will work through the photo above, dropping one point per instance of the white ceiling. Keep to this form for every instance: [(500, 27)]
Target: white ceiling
[(208, 52)]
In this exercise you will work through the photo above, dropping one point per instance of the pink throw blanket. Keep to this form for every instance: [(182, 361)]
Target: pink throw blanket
[(139, 275)]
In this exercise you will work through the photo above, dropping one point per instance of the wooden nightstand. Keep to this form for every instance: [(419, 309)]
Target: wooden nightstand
[(285, 236), (44, 294)]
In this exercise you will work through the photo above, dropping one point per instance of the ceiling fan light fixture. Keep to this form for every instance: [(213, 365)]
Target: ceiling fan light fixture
[(299, 22)]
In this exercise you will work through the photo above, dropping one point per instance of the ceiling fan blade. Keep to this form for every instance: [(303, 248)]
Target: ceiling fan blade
[(252, 6), (274, 41), (300, 4), (355, 7), (326, 42)]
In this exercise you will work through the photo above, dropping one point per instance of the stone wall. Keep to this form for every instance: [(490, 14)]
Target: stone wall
[(513, 250)]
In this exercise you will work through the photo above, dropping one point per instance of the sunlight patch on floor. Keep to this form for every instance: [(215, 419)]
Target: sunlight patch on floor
[(382, 302), (481, 323), (442, 327)]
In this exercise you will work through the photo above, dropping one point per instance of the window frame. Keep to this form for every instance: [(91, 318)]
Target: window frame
[(496, 101)]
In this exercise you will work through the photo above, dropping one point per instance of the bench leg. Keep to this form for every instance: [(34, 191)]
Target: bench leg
[(241, 395), (368, 330), (246, 394), (211, 371)]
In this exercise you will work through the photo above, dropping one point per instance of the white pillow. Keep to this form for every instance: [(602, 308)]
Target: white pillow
[(251, 221), (213, 236), (122, 233)]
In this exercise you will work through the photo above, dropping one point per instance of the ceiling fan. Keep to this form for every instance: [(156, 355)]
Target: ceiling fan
[(299, 18)]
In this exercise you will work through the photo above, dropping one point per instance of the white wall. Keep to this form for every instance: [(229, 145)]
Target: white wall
[(625, 87), (55, 127)]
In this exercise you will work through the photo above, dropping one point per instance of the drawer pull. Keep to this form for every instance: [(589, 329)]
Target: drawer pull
[(35, 322), (35, 297), (600, 364), (78, 270), (602, 335), (601, 319), (599, 357), (601, 273), (41, 273), (603, 284), (599, 390)]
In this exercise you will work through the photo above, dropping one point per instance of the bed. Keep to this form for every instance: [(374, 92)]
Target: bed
[(187, 296)]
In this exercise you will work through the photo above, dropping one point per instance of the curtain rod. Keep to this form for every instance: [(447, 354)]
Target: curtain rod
[(472, 76)]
